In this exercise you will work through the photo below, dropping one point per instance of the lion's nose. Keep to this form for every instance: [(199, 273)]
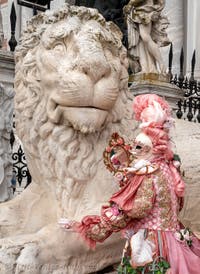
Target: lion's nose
[(96, 69)]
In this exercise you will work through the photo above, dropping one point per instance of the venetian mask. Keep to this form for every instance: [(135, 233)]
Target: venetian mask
[(142, 146)]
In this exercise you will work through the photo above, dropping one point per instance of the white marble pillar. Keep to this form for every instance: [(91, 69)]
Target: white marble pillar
[(192, 37), (1, 29), (174, 10)]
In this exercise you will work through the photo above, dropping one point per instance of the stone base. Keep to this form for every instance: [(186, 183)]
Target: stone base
[(154, 83), (7, 68), (149, 77)]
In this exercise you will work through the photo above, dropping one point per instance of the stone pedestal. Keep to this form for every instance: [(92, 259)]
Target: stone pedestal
[(7, 68), (158, 84)]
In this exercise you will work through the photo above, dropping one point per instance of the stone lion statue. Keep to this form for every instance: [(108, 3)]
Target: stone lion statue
[(71, 95)]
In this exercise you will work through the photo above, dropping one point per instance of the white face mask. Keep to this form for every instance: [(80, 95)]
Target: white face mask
[(142, 146)]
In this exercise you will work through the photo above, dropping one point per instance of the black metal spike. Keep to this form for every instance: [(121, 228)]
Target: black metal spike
[(12, 42), (34, 11), (190, 114), (170, 61), (193, 63), (198, 115), (179, 112), (12, 139), (181, 76)]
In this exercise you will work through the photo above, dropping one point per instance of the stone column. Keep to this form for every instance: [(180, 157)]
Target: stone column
[(192, 39), (6, 114), (1, 30), (174, 10)]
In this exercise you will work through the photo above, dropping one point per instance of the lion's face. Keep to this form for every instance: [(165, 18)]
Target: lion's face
[(79, 74)]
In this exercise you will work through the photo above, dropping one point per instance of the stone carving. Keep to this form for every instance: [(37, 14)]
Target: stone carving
[(1, 30), (71, 95), (146, 33), (6, 113)]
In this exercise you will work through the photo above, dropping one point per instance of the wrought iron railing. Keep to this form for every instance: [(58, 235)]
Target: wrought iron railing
[(21, 174), (188, 108)]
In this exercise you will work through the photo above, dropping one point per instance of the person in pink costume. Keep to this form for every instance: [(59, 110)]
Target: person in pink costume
[(146, 207)]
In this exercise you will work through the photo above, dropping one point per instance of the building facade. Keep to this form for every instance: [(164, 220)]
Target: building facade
[(182, 31)]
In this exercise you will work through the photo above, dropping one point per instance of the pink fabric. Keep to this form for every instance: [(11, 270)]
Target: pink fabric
[(154, 113), (170, 170), (85, 225), (161, 142), (142, 102), (178, 182), (181, 257), (125, 197)]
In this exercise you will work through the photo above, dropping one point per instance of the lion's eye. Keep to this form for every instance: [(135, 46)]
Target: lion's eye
[(59, 48)]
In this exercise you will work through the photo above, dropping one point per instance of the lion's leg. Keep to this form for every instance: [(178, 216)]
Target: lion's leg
[(54, 250), (28, 212)]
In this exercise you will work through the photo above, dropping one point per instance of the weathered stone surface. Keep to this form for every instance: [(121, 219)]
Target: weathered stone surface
[(7, 68), (6, 113), (1, 31), (187, 141)]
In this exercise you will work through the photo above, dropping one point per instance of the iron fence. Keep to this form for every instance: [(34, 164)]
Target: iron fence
[(21, 175), (188, 108)]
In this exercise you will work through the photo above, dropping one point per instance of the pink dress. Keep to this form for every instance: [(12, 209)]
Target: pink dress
[(148, 206)]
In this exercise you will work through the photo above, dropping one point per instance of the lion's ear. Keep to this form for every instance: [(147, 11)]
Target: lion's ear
[(124, 58)]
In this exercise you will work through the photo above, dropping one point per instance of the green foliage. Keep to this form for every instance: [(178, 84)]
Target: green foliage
[(177, 158), (159, 266)]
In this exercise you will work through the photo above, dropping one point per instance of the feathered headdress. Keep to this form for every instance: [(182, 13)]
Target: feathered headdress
[(154, 114)]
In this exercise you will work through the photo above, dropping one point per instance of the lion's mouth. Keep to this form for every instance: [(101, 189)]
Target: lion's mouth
[(83, 118)]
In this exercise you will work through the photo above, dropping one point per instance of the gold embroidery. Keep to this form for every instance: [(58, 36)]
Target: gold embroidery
[(143, 201), (164, 202), (105, 227)]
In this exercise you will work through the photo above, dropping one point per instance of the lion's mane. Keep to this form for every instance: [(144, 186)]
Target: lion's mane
[(79, 155)]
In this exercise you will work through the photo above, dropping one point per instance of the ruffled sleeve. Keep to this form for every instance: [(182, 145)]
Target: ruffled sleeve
[(98, 228), (133, 201)]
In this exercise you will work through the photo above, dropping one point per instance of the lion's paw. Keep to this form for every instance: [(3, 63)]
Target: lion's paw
[(18, 255)]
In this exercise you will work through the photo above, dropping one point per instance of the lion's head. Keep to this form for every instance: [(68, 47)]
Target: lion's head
[(78, 63), (71, 91)]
